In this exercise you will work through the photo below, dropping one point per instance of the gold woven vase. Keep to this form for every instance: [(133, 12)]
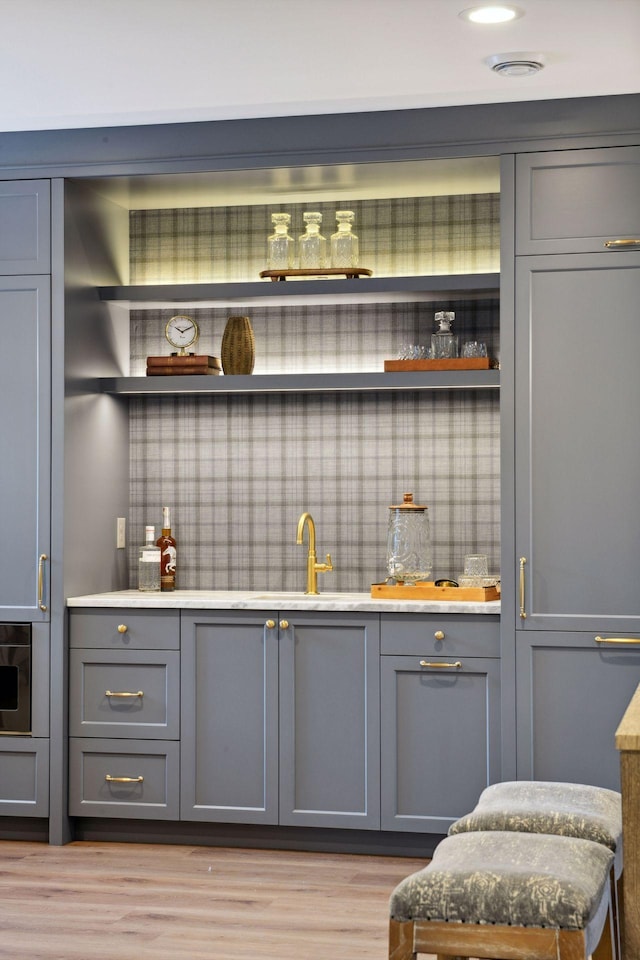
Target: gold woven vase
[(238, 349)]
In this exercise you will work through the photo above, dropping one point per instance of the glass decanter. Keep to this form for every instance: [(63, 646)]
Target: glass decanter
[(444, 343), (344, 243), (409, 542), (312, 246), (280, 245)]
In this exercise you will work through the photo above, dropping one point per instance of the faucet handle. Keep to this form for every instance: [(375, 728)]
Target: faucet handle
[(329, 565)]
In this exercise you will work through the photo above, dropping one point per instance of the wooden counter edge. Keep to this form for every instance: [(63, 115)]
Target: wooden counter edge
[(628, 732)]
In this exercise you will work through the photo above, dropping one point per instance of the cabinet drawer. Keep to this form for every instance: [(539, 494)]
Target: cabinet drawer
[(25, 246), (125, 695), (24, 777), (125, 629), (573, 201), (109, 778), (440, 636)]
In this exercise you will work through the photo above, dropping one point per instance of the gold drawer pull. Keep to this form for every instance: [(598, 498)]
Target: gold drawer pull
[(621, 244), (115, 693), (270, 624), (615, 640), (429, 663), (110, 779), (284, 624), (439, 635), (122, 628)]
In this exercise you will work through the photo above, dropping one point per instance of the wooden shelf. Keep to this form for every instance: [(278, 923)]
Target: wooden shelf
[(298, 383)]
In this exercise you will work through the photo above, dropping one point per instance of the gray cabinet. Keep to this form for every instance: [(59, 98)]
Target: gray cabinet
[(25, 231), (440, 718), (124, 714), (572, 692), (280, 719)]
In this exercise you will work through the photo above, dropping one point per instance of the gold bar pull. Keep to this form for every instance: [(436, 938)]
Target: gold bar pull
[(110, 779), (111, 693), (617, 640), (523, 613), (432, 665), (41, 561), (621, 244)]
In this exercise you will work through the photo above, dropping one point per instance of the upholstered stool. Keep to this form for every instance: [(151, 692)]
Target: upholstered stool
[(504, 894), (566, 809)]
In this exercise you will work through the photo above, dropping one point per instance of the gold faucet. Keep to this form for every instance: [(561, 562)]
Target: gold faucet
[(313, 567)]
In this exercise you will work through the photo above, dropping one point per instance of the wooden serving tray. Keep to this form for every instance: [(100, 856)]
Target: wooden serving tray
[(425, 590), (450, 363), (350, 273)]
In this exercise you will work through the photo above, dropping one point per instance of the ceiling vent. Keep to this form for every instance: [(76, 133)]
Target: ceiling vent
[(516, 64)]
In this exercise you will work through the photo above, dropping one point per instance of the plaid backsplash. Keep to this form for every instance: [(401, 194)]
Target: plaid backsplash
[(239, 470)]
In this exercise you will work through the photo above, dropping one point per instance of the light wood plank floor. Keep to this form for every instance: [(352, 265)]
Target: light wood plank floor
[(116, 901)]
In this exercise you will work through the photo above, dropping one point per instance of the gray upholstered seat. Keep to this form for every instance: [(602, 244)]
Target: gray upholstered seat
[(509, 879)]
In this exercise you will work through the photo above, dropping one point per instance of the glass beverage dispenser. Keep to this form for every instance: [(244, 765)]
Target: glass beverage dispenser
[(409, 542)]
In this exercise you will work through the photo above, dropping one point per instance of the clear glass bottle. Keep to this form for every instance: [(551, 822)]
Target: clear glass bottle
[(168, 553), (409, 542), (149, 562), (344, 243), (444, 343), (280, 245), (312, 246)]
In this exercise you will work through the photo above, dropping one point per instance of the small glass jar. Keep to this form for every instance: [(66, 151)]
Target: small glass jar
[(280, 245), (312, 246), (409, 557), (344, 243), (444, 343)]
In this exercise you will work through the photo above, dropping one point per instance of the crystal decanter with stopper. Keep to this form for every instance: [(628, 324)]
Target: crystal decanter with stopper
[(312, 246), (444, 343), (280, 245), (344, 243), (409, 542)]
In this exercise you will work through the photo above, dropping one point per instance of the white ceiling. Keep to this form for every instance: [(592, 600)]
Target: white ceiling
[(87, 63)]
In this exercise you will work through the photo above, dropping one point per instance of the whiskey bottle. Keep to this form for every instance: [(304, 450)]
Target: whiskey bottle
[(168, 553), (149, 562)]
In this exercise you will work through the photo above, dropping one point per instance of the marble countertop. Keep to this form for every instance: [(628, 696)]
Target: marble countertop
[(253, 600)]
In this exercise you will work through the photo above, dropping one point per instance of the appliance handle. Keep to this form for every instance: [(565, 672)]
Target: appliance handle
[(41, 562)]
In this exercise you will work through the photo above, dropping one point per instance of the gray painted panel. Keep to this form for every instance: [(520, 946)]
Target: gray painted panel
[(571, 202), (153, 715), (229, 719), (25, 391), (578, 467), (463, 635), (571, 697), (329, 722), (440, 740), (25, 227), (145, 630), (24, 777), (151, 769)]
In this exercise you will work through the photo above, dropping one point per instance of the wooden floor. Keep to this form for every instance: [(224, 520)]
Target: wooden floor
[(112, 901)]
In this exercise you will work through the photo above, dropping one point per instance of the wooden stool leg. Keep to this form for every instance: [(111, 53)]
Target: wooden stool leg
[(401, 941)]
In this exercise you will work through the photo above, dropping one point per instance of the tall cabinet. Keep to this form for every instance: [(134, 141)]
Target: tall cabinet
[(25, 429), (577, 459)]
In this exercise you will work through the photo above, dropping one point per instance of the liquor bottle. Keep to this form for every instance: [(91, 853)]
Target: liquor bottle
[(280, 245), (312, 246), (344, 243), (168, 553), (444, 342), (149, 562)]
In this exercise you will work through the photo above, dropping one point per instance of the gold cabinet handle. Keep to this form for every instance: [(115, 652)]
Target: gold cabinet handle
[(621, 244), (617, 640), (41, 561), (113, 693), (110, 779), (439, 635), (270, 624), (122, 628), (523, 613), (429, 663), (284, 624)]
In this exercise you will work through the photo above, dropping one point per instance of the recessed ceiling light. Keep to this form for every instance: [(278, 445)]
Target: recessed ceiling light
[(492, 13), (516, 64)]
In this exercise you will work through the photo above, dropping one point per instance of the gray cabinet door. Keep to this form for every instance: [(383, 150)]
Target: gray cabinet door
[(25, 232), (440, 739), (576, 201), (329, 721), (576, 443), (229, 726), (25, 401), (571, 694)]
